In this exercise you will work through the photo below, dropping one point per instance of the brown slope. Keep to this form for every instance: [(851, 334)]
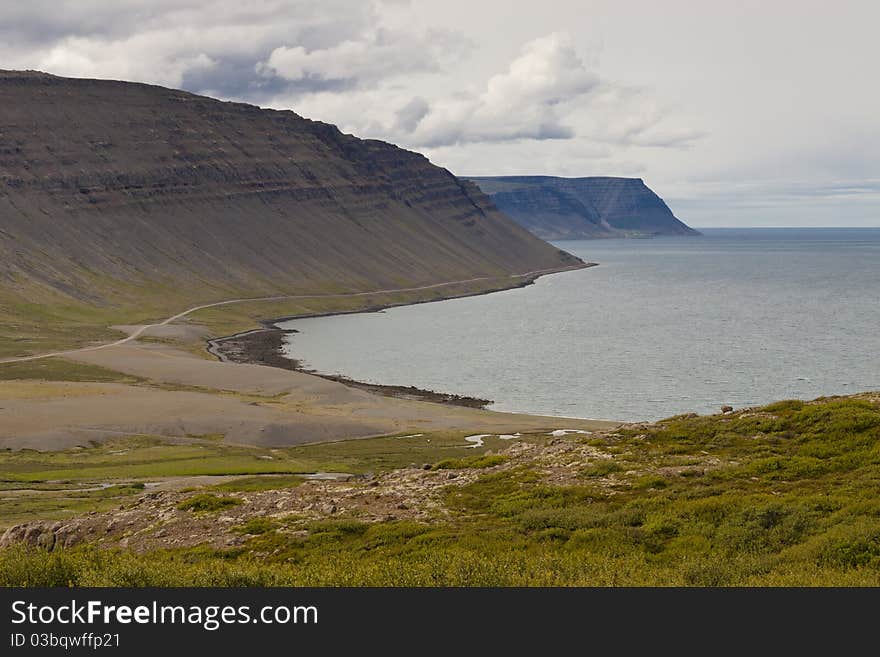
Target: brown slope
[(131, 185)]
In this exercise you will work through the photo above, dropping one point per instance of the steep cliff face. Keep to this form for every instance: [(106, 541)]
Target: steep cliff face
[(107, 185), (583, 208)]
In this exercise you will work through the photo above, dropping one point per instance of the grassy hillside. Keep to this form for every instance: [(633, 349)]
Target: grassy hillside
[(784, 494)]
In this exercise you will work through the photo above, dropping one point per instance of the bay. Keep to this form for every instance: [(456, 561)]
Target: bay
[(662, 326)]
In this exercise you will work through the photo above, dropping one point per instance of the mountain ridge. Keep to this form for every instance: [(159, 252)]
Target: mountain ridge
[(590, 207), (111, 192)]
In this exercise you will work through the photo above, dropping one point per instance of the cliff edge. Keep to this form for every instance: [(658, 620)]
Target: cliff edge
[(583, 208)]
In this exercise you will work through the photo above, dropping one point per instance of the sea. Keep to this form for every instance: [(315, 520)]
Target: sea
[(661, 326)]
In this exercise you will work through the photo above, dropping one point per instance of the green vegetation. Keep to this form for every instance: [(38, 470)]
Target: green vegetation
[(254, 484), (147, 458), (475, 462), (206, 503), (59, 369), (783, 495), (389, 453), (602, 469), (36, 319), (24, 502), (237, 317)]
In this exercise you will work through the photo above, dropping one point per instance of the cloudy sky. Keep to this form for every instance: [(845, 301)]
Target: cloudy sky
[(748, 113)]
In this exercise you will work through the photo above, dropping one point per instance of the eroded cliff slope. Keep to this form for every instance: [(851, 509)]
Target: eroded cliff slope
[(110, 190), (583, 208)]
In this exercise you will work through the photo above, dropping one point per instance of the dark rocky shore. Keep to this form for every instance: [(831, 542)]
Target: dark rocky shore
[(264, 347)]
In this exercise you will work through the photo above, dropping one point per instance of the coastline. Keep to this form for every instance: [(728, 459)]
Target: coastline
[(264, 346)]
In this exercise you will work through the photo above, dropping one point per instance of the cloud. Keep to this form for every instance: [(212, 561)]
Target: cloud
[(242, 51), (630, 116), (546, 93), (408, 117), (371, 67), (524, 102), (377, 55)]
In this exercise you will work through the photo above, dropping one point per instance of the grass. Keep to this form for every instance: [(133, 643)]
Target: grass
[(784, 495), (234, 318), (256, 484), (60, 502), (207, 503), (149, 458), (145, 457), (602, 469), (375, 455), (471, 462), (59, 369), (36, 319)]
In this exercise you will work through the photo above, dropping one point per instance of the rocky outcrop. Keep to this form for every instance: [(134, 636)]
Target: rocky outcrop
[(583, 208), (109, 188)]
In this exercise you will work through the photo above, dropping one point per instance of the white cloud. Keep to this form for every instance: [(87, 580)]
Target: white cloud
[(370, 67), (205, 45), (546, 93), (378, 55), (127, 59), (527, 101)]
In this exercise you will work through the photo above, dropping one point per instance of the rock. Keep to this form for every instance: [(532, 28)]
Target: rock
[(582, 208), (727, 409), (163, 167)]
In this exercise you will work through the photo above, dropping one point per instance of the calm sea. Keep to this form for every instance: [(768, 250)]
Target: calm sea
[(662, 326)]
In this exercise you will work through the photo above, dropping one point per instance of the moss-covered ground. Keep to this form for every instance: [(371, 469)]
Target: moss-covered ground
[(784, 494)]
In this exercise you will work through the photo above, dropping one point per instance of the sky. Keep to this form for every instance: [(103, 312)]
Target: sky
[(753, 113)]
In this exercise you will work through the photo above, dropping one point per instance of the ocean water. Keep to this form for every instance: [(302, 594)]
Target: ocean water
[(660, 327)]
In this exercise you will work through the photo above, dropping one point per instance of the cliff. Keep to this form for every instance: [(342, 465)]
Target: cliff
[(583, 208), (110, 190)]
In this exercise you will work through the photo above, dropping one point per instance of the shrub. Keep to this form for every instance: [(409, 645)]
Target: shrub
[(207, 503), (259, 483), (851, 547), (650, 482), (601, 469), (470, 462)]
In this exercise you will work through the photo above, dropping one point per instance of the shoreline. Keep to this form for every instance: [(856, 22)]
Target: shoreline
[(264, 346)]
